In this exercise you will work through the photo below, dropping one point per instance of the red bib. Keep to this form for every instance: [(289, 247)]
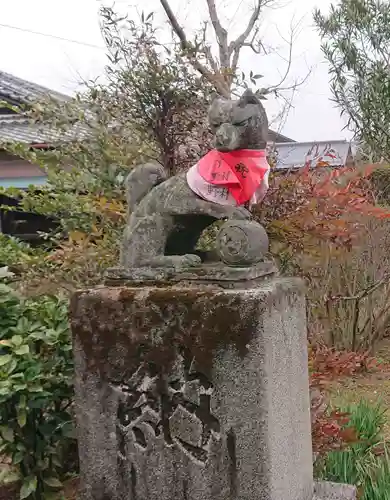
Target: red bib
[(241, 171)]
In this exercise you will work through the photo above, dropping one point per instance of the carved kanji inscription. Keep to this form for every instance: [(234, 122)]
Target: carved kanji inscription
[(175, 407)]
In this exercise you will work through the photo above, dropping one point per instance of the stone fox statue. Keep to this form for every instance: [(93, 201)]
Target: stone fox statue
[(167, 216)]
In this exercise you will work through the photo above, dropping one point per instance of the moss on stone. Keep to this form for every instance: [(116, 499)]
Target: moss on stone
[(150, 325)]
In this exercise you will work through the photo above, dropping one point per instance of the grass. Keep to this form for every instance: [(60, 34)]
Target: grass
[(372, 387), (365, 464)]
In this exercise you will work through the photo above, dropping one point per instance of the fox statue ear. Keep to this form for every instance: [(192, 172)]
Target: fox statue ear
[(248, 97)]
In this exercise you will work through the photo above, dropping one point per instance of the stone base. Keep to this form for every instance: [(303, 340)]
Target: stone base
[(333, 491), (210, 273), (193, 392)]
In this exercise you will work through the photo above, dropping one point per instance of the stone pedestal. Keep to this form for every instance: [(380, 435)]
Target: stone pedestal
[(193, 392)]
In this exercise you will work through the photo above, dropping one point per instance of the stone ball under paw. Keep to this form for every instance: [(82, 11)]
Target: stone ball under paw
[(242, 243)]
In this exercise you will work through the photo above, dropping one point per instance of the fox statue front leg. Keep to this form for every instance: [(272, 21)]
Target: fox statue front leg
[(144, 242)]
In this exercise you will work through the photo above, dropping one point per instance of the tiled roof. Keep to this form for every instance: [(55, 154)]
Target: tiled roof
[(17, 128), (20, 91)]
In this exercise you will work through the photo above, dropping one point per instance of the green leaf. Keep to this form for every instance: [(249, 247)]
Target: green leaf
[(57, 462), (68, 430), (19, 387), (53, 482), (7, 434), (4, 359), (43, 464), (39, 335), (32, 372), (36, 388), (17, 457), (37, 403), (22, 417), (12, 365), (22, 402), (29, 486), (8, 476), (5, 391), (22, 350), (47, 429), (17, 340)]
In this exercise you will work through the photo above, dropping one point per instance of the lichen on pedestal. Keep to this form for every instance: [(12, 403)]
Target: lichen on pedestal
[(199, 318)]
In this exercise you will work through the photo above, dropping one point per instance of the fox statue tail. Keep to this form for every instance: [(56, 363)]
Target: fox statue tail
[(141, 180)]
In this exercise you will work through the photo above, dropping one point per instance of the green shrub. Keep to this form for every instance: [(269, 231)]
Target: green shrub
[(36, 392), (365, 464), (16, 253), (9, 304)]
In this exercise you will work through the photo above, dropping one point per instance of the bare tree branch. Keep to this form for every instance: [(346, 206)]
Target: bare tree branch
[(251, 24), (282, 116), (223, 69), (236, 45), (207, 50), (276, 90), (221, 35), (251, 44), (289, 61), (191, 51), (278, 87)]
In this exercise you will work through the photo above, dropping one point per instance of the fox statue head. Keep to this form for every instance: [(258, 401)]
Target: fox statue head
[(238, 124)]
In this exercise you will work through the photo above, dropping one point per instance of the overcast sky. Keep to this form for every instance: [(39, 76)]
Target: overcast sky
[(62, 65)]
